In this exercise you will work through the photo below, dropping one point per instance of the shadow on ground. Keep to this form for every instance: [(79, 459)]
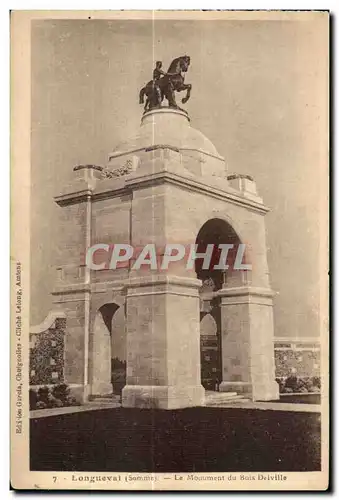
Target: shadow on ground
[(188, 440)]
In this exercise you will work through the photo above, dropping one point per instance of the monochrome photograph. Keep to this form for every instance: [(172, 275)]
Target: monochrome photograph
[(170, 250)]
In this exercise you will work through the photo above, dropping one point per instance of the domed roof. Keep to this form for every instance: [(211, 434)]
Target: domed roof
[(167, 126)]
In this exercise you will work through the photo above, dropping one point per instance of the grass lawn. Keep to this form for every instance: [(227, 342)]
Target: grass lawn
[(188, 440)]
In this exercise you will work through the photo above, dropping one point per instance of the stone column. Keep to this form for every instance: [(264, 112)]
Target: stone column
[(72, 293), (163, 343), (247, 342), (100, 357)]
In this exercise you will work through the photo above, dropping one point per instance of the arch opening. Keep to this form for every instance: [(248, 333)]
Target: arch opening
[(214, 232), (109, 350)]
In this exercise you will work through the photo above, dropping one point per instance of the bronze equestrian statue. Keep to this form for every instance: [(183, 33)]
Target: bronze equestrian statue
[(164, 85)]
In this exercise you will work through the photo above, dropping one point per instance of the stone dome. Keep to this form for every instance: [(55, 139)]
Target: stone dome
[(166, 126)]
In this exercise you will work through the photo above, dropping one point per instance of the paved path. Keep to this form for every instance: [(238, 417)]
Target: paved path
[(270, 405), (49, 412)]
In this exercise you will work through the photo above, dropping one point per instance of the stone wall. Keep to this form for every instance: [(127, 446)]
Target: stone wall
[(300, 358), (46, 360)]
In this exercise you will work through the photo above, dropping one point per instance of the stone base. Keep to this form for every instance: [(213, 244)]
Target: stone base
[(264, 392), (162, 397), (101, 389), (80, 392), (238, 387)]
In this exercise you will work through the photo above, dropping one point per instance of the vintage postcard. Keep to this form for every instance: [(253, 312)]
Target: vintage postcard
[(169, 250)]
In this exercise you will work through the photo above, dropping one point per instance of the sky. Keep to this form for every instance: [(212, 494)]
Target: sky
[(259, 93)]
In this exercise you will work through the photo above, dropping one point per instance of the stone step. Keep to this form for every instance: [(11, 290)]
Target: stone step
[(103, 402), (235, 399), (105, 398), (219, 395), (220, 398)]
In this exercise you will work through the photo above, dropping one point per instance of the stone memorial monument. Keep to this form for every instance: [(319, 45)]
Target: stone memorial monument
[(166, 184)]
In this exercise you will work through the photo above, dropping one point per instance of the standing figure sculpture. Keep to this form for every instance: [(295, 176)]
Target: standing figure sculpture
[(157, 74), (164, 85)]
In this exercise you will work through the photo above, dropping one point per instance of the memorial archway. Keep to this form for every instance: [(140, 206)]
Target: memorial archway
[(160, 186)]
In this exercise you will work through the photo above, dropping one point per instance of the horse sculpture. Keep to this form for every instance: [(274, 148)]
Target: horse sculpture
[(165, 86)]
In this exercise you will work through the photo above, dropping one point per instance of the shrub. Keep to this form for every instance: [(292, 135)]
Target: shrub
[(307, 384), (43, 394), (41, 405), (281, 383), (316, 382), (54, 402), (61, 391), (303, 389), (71, 401), (292, 383), (56, 397)]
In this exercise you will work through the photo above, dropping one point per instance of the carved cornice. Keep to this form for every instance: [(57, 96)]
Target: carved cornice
[(162, 146), (125, 169), (194, 185), (148, 180)]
